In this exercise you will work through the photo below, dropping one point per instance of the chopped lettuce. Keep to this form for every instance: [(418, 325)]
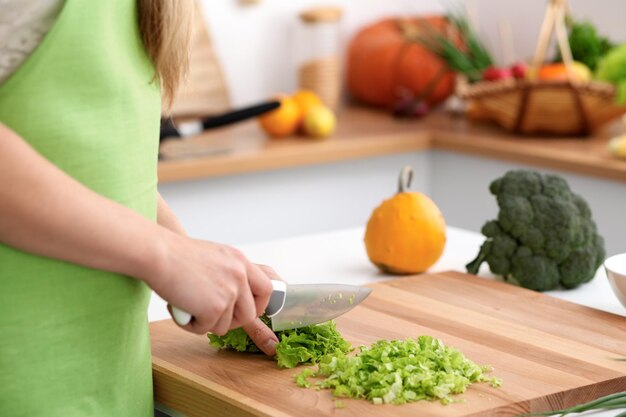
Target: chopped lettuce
[(303, 345), (302, 378), (398, 371), (309, 344)]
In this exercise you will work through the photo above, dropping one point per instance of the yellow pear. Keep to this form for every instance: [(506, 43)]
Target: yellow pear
[(319, 122)]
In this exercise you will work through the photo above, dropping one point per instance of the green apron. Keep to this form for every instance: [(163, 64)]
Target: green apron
[(74, 341)]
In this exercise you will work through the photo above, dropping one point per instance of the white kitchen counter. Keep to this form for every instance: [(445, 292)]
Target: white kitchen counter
[(340, 257)]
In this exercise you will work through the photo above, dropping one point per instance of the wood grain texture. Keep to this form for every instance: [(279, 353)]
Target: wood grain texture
[(550, 353), (364, 133)]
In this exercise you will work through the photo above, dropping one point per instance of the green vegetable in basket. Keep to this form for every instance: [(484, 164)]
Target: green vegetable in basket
[(612, 68), (544, 235), (303, 345), (398, 372), (586, 44)]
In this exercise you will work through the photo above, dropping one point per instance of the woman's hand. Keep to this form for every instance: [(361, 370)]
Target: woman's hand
[(261, 335), (215, 283)]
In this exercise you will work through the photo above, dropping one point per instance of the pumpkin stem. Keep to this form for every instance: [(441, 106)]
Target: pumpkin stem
[(405, 178)]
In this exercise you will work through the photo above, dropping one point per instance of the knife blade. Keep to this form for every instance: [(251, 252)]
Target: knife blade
[(307, 304), (297, 305)]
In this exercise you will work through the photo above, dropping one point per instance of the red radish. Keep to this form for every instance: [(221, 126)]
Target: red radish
[(519, 70), (496, 73)]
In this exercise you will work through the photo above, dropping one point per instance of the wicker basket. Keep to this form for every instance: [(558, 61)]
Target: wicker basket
[(542, 107), (537, 106)]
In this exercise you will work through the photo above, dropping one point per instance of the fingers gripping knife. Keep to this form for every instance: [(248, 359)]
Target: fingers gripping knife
[(298, 305)]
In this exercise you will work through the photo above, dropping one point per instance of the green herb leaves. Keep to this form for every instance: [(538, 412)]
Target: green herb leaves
[(610, 402), (398, 372), (462, 50)]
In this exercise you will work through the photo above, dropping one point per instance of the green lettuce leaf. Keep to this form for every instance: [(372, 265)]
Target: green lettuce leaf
[(303, 345), (235, 339), (309, 344)]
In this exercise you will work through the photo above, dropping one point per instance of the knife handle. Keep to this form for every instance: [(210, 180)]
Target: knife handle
[(239, 115), (276, 303), (180, 316)]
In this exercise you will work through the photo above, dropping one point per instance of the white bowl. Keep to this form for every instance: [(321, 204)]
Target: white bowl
[(615, 268)]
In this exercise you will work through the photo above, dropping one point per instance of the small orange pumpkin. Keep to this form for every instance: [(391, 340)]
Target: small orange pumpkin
[(406, 234)]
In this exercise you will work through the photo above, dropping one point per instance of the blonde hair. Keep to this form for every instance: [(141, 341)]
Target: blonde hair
[(165, 27)]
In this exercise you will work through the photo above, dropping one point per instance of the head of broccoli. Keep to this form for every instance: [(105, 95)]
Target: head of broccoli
[(544, 235)]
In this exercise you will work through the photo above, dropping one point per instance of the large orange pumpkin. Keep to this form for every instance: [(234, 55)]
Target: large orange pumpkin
[(382, 62), (406, 234)]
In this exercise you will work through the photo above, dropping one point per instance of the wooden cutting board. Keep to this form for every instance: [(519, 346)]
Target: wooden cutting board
[(550, 354)]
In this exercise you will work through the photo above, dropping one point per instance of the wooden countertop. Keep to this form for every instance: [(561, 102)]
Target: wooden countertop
[(364, 133)]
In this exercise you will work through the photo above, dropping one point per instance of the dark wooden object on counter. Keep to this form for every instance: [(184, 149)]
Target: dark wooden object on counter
[(550, 354)]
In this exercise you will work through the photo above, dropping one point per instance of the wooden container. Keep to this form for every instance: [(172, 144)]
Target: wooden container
[(553, 107)]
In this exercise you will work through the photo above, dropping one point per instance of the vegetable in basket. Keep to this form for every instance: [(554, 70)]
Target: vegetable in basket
[(612, 68), (587, 46)]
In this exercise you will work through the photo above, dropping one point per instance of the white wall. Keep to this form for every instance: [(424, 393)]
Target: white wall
[(254, 43), (290, 202), (459, 186)]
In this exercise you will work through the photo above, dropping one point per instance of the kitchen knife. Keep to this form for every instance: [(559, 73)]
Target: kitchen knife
[(298, 305), (184, 129)]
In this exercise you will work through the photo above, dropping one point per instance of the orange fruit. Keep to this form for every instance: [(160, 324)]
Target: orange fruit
[(553, 72), (283, 121), (307, 100), (558, 71)]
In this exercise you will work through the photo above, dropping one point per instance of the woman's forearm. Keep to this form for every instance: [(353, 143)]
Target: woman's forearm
[(46, 212), (167, 218)]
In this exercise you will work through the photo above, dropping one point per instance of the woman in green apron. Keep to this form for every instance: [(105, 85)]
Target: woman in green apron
[(84, 234)]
